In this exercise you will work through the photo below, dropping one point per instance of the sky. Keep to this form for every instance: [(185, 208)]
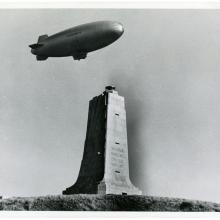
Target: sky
[(167, 67)]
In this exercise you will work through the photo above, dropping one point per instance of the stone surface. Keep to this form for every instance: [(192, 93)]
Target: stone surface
[(106, 203), (116, 176), (105, 167)]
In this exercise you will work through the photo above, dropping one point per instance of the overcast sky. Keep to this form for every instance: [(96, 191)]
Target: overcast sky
[(166, 65)]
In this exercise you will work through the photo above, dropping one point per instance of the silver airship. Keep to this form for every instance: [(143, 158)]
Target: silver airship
[(77, 41)]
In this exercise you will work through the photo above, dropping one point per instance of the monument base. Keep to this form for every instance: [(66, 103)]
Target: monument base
[(113, 188), (84, 185)]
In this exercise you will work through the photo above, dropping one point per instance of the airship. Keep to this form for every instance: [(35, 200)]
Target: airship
[(77, 41)]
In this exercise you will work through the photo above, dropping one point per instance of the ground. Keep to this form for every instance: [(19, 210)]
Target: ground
[(105, 203)]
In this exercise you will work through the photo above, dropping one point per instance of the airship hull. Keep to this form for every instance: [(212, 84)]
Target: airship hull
[(78, 41)]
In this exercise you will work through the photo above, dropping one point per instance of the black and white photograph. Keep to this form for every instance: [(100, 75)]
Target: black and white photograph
[(110, 109)]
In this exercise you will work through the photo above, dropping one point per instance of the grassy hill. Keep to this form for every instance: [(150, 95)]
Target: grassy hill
[(106, 203)]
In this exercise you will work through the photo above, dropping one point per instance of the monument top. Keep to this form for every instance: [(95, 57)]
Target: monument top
[(110, 89)]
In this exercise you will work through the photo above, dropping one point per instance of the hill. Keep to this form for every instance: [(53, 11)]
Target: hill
[(106, 203)]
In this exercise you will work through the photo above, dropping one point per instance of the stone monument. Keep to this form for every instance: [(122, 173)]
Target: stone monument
[(105, 164)]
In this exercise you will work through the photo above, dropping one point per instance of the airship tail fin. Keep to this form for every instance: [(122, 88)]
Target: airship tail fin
[(42, 38), (35, 46), (41, 57)]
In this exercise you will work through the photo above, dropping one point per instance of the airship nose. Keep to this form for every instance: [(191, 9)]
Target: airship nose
[(118, 29)]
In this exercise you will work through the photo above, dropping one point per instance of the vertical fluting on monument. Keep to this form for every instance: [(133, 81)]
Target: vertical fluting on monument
[(105, 167)]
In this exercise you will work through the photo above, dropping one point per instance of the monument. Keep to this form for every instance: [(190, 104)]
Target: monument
[(105, 164)]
